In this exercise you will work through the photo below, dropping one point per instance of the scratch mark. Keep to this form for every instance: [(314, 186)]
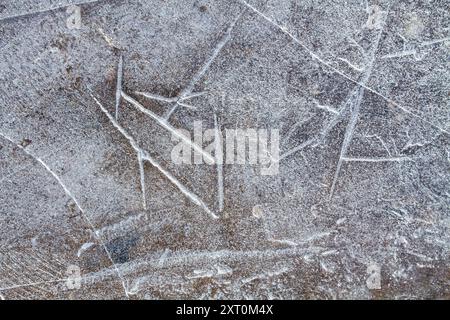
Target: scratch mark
[(347, 137), (84, 247), (381, 141), (411, 52), (400, 54), (157, 97), (219, 162), (326, 108), (88, 278), (284, 241), (294, 127), (298, 148), (142, 179), (132, 142), (206, 257), (431, 42), (119, 85), (193, 95), (353, 43), (187, 106), (420, 256), (394, 159), (201, 274), (351, 65), (329, 252), (163, 257)]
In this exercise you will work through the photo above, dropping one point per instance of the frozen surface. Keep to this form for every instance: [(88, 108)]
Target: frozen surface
[(358, 89)]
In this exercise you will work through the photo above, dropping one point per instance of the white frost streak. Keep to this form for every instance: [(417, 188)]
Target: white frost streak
[(84, 247), (219, 162), (119, 85), (326, 108), (142, 179), (394, 159), (156, 97)]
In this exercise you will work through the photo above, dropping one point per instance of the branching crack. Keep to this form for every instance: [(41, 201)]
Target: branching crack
[(144, 156)]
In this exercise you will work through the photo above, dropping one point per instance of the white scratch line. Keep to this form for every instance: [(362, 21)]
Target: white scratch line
[(193, 95), (163, 257), (399, 54), (351, 65), (89, 279), (219, 162), (381, 141), (284, 241), (84, 247), (133, 144), (188, 106), (410, 52), (347, 137), (297, 148), (142, 179), (395, 159), (431, 42), (119, 85), (156, 96), (108, 39)]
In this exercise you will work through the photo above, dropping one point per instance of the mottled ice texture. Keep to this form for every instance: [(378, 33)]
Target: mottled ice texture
[(358, 89)]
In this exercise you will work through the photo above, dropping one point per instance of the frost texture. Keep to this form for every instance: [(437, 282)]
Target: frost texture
[(359, 91)]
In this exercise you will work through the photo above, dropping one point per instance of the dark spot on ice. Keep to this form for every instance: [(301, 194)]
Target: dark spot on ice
[(119, 248)]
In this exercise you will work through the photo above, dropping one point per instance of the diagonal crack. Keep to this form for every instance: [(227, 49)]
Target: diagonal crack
[(355, 103)]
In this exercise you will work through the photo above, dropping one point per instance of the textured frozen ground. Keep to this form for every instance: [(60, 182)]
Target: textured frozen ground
[(360, 93)]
